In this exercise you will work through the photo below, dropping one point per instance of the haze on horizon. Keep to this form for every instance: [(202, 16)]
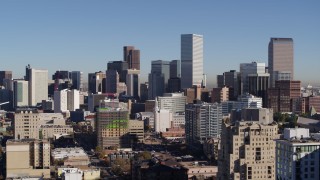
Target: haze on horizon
[(78, 35)]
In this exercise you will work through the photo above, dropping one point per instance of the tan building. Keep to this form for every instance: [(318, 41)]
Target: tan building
[(71, 156), (220, 94), (136, 129), (247, 151), (28, 158), (30, 124), (112, 127), (48, 131)]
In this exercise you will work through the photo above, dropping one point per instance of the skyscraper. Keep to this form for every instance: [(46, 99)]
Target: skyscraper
[(77, 80), (133, 83), (20, 91), (5, 75), (202, 121), (280, 59), (38, 85), (158, 78), (132, 57), (191, 60)]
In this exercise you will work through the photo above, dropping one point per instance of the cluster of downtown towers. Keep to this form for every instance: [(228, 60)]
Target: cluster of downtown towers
[(123, 77)]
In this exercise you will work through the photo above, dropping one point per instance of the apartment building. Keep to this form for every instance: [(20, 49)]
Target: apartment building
[(28, 158)]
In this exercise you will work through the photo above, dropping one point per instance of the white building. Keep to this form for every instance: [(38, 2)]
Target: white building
[(191, 60), (70, 173), (21, 93), (203, 121), (297, 155), (66, 100), (175, 103), (250, 68), (163, 119), (133, 82), (38, 86), (248, 101)]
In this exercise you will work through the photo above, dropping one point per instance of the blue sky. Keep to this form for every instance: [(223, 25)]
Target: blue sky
[(85, 35)]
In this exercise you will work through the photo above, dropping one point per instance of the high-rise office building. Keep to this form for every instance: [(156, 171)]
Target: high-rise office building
[(175, 68), (112, 81), (132, 57), (284, 97), (220, 95), (77, 80), (191, 60), (230, 79), (120, 67), (175, 103), (133, 83), (66, 100), (95, 82), (247, 69), (20, 91), (280, 59), (5, 75), (247, 150), (38, 85), (158, 78), (203, 121)]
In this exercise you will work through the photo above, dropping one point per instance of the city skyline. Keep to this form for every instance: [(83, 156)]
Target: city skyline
[(88, 35)]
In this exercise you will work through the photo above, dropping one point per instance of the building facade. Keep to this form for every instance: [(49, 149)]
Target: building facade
[(203, 121), (28, 158), (247, 151), (191, 60), (280, 59)]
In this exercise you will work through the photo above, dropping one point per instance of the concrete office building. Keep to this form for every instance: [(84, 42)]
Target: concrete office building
[(191, 60), (133, 83), (112, 81), (284, 97), (247, 150), (248, 101), (95, 82), (136, 130), (298, 155), (66, 100), (259, 85), (5, 75), (21, 94), (112, 125), (28, 158), (231, 80), (132, 57), (247, 69), (175, 103), (162, 120), (77, 80), (203, 121), (28, 122), (158, 78), (280, 59), (220, 94), (175, 69), (120, 67), (38, 85)]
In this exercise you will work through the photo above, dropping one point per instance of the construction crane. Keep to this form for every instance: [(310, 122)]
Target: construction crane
[(3, 104)]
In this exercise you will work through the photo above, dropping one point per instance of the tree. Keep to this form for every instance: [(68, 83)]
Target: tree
[(144, 155), (121, 166)]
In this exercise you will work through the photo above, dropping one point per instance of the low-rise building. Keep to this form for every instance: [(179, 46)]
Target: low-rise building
[(136, 130), (71, 156), (28, 158)]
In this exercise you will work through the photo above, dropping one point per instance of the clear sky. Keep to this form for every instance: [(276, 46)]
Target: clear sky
[(85, 35)]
